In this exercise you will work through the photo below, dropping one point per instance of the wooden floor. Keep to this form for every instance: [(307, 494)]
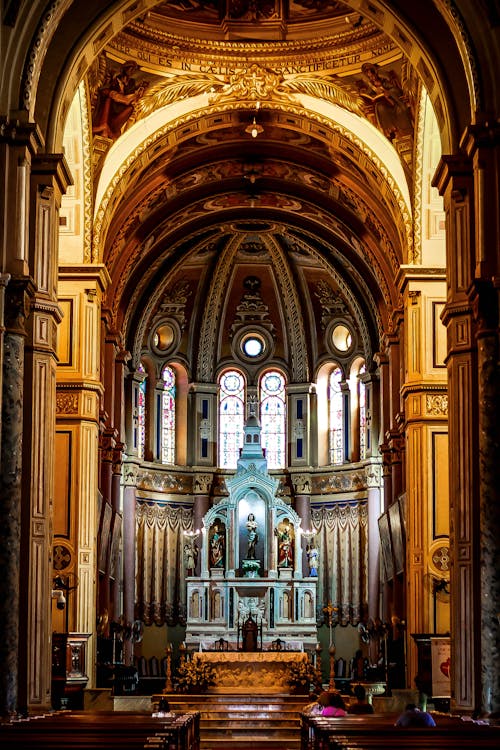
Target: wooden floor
[(244, 722)]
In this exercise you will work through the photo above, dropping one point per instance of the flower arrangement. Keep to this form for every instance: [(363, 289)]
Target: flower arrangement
[(303, 674), (195, 676), (250, 568)]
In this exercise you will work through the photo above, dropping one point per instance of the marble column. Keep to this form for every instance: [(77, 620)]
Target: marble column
[(482, 145), (116, 583), (374, 481), (4, 279), (129, 544), (201, 488), (10, 492), (302, 505)]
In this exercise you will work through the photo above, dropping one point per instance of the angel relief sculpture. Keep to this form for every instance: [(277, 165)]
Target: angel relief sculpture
[(385, 101), (116, 98)]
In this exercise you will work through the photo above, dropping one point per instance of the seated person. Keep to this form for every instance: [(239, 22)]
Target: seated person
[(317, 704), (335, 705), (412, 716), (360, 705)]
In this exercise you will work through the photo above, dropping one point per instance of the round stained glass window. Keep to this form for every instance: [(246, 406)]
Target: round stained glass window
[(341, 338), (252, 346), (231, 382)]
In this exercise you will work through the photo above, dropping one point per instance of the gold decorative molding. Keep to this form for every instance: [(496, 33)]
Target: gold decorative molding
[(67, 403), (436, 405), (181, 123)]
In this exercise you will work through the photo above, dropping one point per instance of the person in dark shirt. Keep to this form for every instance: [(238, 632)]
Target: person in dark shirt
[(361, 705), (414, 717)]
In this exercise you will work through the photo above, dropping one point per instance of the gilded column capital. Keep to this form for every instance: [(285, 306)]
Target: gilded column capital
[(301, 483), (373, 475), (130, 474)]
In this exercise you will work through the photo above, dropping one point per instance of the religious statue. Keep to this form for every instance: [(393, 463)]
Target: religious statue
[(253, 536), (285, 546), (217, 548), (190, 557), (312, 553)]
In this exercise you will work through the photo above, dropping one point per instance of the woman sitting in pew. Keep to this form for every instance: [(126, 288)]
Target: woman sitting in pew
[(335, 705), (412, 716)]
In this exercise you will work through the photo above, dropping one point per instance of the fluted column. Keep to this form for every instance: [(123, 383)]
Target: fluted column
[(10, 491)]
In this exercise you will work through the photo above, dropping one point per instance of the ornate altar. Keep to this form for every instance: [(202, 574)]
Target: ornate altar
[(251, 563), (262, 672)]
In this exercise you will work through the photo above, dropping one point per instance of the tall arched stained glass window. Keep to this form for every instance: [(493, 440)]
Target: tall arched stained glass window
[(336, 417), (168, 416), (231, 418), (141, 412), (362, 415), (273, 418)]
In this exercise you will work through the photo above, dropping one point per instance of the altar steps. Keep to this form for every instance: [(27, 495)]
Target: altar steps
[(244, 722)]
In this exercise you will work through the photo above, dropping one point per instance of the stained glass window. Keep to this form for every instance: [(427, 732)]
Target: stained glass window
[(231, 418), (362, 416), (273, 418), (141, 413), (336, 417), (168, 416)]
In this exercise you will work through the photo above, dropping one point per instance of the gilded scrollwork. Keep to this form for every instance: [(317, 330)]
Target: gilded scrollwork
[(436, 404), (67, 403)]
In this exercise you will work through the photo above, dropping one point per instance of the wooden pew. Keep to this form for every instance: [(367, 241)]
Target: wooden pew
[(102, 730), (377, 732)]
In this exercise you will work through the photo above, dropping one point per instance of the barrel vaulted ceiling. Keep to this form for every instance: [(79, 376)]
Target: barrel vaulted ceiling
[(201, 224)]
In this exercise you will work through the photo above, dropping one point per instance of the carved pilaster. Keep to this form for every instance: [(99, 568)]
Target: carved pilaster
[(454, 178)]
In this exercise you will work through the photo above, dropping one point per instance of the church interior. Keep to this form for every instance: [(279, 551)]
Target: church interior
[(249, 346)]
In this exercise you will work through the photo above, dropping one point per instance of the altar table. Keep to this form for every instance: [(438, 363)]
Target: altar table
[(250, 671)]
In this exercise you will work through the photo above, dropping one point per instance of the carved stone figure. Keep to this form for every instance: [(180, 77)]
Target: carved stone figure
[(253, 536)]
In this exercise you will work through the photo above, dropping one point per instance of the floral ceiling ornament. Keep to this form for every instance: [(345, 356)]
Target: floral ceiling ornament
[(251, 84)]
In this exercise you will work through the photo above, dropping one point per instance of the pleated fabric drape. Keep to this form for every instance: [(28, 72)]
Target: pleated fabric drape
[(160, 571), (343, 559)]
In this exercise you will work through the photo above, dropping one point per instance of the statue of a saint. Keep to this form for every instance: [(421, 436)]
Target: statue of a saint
[(253, 536), (285, 546), (312, 553), (217, 548), (190, 557)]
